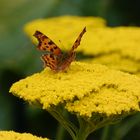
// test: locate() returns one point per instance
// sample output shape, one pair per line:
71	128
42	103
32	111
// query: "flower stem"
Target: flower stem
60	132
84	130
105	133
58	115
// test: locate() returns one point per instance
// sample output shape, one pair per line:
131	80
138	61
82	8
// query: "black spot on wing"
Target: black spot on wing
51	56
55	47
51	49
50	42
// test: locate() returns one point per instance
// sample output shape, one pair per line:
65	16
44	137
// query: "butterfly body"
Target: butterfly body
55	59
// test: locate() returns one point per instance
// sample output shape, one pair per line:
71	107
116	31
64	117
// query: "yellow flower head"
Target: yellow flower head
63	28
11	135
116	47
84	90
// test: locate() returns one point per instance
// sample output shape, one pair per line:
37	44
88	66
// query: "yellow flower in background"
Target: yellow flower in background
63	28
116	47
84	89
11	135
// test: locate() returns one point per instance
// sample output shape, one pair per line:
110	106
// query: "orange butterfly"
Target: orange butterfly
55	59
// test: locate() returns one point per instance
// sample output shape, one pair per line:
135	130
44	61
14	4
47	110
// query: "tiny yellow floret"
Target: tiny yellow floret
85	89
11	135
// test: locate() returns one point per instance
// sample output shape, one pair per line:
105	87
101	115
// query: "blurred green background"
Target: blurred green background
18	58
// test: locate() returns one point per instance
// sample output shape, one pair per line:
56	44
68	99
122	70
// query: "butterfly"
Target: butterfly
55	59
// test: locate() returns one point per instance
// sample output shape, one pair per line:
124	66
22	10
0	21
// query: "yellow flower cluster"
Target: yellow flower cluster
63	28
84	89
11	135
116	47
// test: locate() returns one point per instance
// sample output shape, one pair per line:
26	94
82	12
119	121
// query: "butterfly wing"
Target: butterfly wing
50	61
71	54
46	44
78	40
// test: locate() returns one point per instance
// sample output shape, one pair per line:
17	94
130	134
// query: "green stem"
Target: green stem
105	133
84	130
60	132
81	135
70	127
